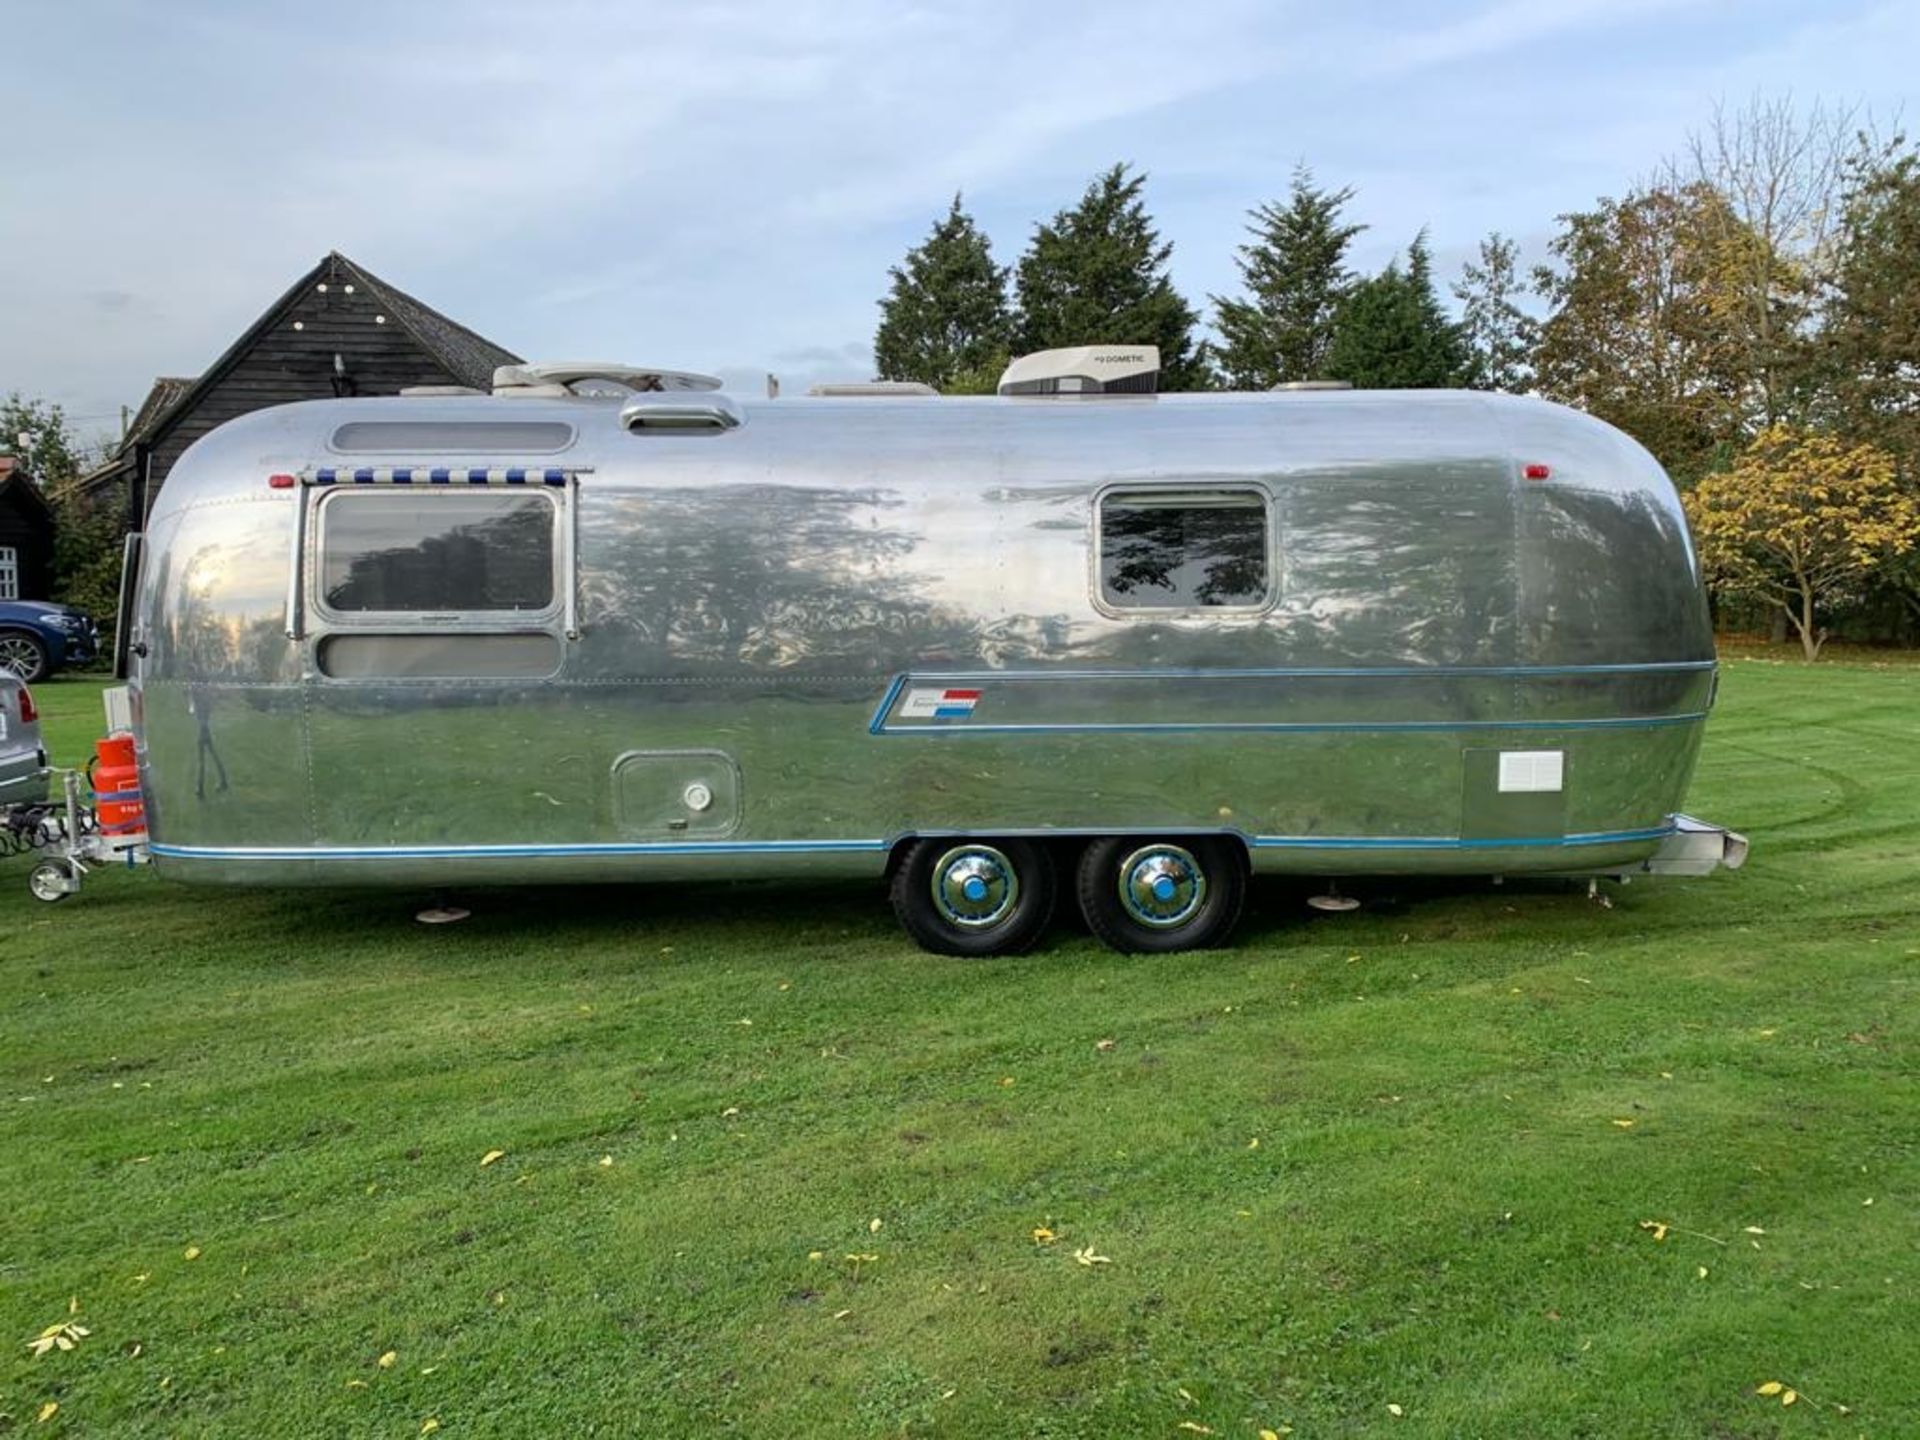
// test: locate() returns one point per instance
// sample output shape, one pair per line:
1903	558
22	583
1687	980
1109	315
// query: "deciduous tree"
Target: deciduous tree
1499	334
1641	330
1801	520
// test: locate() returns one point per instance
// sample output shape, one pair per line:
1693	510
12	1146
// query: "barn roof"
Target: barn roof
469	357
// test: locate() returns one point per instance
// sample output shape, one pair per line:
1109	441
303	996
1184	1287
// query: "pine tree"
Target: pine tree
1096	274
1296	276
945	315
1499	335
1391	333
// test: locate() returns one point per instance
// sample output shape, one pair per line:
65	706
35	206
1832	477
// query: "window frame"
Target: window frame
1125	488
9	572
402	621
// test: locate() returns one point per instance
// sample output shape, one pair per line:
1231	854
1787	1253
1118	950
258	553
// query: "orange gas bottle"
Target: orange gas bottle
117	805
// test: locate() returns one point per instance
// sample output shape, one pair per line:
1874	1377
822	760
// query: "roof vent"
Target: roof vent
680	414
894	388
595	379
1313	385
1085	370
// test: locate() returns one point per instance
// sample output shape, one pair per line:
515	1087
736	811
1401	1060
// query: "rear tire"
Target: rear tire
974	897
23	655
1152	897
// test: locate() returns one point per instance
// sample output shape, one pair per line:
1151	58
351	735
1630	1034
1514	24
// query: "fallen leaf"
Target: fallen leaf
1701	1272
1103	1045
1043	1236
1658	1227
729	1112
1394	1410
73	1305
841	1314
1195	1427
48	1411
873	1226
1624	1124
1086	1256
1787	1397
606	1162
1006	1079
386	1361
1182	1392
429	1425
1754	1230
1254	1143
491	1156
816	1255
1771	1387
192	1252
356	1384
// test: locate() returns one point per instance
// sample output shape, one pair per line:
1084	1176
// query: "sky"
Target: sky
721	185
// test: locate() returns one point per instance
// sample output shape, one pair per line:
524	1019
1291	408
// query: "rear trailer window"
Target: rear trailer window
1184	550
437	550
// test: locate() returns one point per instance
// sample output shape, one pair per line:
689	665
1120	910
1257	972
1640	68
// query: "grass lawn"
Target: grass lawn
1387	1173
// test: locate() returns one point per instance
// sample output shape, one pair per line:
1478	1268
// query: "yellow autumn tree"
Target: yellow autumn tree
1800	520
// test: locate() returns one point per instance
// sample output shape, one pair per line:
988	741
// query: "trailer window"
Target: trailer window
437	550
1184	549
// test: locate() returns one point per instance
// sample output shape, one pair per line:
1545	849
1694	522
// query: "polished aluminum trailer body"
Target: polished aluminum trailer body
743	660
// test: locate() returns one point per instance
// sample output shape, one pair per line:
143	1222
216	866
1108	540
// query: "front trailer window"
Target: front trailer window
436	550
1184	550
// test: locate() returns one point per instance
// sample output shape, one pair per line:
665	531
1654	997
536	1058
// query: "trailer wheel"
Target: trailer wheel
51	880
1155	896
974	897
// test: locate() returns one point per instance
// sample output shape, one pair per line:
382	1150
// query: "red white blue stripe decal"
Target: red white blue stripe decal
944	703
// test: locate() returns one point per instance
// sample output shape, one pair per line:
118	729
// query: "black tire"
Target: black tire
23	654
1202	887
974	897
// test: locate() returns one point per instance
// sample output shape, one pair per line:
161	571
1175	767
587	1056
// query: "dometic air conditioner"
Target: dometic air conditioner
1085	370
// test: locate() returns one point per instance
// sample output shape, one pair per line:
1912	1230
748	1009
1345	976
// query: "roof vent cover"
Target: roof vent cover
1085	370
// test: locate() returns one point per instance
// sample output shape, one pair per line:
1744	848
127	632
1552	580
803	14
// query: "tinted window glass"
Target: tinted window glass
1183	550
438	550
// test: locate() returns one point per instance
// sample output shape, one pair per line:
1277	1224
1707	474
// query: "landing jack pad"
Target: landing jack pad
442	915
1337	904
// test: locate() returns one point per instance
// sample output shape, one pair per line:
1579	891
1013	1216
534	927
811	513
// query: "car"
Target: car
23	755
38	638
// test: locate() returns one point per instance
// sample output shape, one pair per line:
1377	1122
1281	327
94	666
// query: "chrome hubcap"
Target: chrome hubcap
974	886
1162	885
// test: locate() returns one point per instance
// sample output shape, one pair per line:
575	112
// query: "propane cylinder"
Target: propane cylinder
117	805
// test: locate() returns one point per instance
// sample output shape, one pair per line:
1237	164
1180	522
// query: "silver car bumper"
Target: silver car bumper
23	778
1696	848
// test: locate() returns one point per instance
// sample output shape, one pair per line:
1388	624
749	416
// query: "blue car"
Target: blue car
38	637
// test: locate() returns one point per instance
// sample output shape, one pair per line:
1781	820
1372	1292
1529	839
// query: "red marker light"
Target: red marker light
1537	471
281	482
29	712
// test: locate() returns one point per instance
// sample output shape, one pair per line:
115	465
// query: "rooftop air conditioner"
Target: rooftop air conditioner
1085	370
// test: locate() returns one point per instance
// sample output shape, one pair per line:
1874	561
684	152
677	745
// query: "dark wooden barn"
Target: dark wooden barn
340	330
26	535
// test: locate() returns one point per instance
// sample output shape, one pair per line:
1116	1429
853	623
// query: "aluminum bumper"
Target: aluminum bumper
1696	848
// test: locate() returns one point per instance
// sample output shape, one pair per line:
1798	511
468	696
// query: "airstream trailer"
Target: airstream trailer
1079	638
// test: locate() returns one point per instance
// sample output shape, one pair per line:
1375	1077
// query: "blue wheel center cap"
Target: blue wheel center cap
1164	887
974	888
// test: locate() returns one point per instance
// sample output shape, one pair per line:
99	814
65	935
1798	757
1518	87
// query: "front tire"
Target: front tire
23	655
974	897
51	880
1144	896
